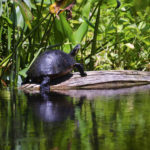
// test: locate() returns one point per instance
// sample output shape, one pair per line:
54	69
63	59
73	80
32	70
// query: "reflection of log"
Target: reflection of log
105	93
98	80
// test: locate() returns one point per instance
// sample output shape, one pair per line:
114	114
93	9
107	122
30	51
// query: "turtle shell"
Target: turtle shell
52	62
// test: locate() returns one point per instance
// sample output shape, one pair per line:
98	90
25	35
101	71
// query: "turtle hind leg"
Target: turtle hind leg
45	84
80	69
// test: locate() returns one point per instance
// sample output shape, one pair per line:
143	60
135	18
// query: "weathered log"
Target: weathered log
96	80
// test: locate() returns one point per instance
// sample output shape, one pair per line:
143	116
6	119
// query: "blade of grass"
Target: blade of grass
49	30
32	31
1	29
13	48
36	55
96	29
6	59
93	49
46	30
9	38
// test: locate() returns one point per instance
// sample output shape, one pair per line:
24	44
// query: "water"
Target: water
76	120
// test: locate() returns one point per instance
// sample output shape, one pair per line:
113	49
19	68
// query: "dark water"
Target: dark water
76	120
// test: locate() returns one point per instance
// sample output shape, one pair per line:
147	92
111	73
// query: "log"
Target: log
96	80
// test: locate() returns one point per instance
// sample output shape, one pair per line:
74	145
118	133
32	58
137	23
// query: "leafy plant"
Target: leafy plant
112	37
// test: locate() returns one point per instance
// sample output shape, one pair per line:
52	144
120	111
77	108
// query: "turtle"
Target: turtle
53	64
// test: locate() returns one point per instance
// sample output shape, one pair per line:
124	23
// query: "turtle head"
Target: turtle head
75	50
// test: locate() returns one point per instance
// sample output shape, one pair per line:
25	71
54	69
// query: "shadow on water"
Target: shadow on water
76	119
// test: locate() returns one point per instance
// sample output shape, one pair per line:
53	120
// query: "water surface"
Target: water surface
76	120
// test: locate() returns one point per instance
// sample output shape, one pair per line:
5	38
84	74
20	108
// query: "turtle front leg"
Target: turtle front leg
80	69
45	85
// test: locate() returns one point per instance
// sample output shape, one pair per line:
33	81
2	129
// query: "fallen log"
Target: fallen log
96	80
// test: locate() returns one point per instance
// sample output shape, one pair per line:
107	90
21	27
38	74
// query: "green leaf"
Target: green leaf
142	25
23	72
1	8
63	30
26	12
86	9
1	29
19	18
36	55
81	32
66	28
6	59
7	20
147	42
9	37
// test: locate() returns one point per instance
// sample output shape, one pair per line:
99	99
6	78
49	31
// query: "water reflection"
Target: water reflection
106	93
51	107
84	120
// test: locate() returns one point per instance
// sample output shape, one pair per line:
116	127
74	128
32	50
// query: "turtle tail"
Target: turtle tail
75	50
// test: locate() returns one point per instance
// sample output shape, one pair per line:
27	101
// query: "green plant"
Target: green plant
111	38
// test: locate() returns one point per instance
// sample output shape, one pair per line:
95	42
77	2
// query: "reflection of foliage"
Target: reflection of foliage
103	123
111	38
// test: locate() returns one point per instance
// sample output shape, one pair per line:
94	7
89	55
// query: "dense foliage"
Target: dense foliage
111	38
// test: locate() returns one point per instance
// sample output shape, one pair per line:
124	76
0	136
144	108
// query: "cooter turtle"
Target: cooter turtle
52	64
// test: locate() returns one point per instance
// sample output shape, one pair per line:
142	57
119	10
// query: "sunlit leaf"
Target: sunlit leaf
26	12
86	9
20	20
147	42
23	72
66	28
81	32
131	46
7	20
142	25
1	8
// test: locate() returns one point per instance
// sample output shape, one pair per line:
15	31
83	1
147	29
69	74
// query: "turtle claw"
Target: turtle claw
81	70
